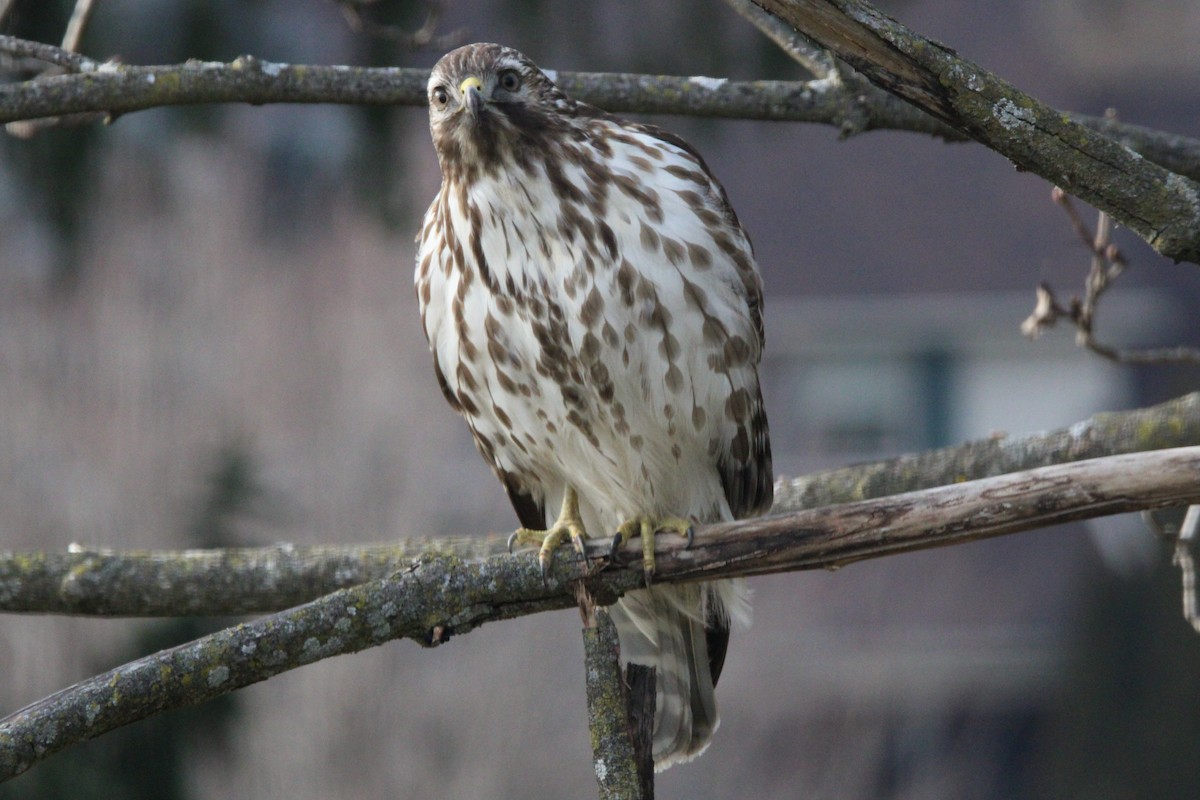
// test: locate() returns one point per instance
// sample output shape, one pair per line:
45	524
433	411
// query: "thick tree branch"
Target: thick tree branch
1175	423
266	579
614	754
428	602
1160	206
442	595
119	89
229	581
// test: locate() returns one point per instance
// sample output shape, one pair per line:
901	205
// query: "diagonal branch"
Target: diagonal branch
814	58
441	596
1160	206
266	579
77	24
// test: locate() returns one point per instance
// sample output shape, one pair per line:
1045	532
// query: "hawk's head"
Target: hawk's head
490	105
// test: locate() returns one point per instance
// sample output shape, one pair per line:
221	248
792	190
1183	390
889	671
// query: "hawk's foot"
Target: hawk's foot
567	526
647	528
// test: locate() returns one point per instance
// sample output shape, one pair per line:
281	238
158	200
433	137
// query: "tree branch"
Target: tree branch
1107	264
265	579
77	23
1175	423
614	753
117	89
814	58
47	54
429	601
442	595
1160	206
229	581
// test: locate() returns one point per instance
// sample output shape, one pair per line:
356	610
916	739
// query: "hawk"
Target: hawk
595	313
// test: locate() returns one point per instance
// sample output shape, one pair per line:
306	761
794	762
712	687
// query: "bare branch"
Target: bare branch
25	129
428	602
814	58
1175	423
258	580
61	59
1107	264
861	99
613	751
251	580
47	54
442	596
1179	154
119	89
77	23
1161	207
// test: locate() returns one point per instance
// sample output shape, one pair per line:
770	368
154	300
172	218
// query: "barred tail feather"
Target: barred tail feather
670	628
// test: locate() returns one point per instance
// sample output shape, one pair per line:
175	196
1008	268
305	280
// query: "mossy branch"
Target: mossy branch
1175	423
441	596
265	579
614	751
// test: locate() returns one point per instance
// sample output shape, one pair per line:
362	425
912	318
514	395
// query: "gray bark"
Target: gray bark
441	596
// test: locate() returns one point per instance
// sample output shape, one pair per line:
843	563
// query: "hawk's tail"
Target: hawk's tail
682	632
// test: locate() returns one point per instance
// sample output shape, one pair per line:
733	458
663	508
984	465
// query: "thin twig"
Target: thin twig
79	20
1107	263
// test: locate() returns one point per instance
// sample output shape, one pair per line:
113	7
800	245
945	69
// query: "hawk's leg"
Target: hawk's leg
647	528
567	526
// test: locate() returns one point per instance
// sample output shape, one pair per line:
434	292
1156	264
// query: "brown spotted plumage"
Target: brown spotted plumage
595	313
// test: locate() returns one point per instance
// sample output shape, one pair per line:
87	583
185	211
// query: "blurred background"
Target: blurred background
208	337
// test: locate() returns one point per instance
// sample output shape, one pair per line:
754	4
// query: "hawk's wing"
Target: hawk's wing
746	473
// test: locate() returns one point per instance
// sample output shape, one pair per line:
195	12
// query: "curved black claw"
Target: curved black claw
614	552
690	536
512	538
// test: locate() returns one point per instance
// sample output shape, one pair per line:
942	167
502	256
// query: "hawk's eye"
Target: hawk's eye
441	96
510	80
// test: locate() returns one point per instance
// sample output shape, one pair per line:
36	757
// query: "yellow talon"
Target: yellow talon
567	526
647	528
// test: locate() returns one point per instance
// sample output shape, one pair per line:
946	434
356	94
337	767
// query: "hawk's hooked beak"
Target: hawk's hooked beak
472	92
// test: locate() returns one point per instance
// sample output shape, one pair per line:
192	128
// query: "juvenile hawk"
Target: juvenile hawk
594	312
